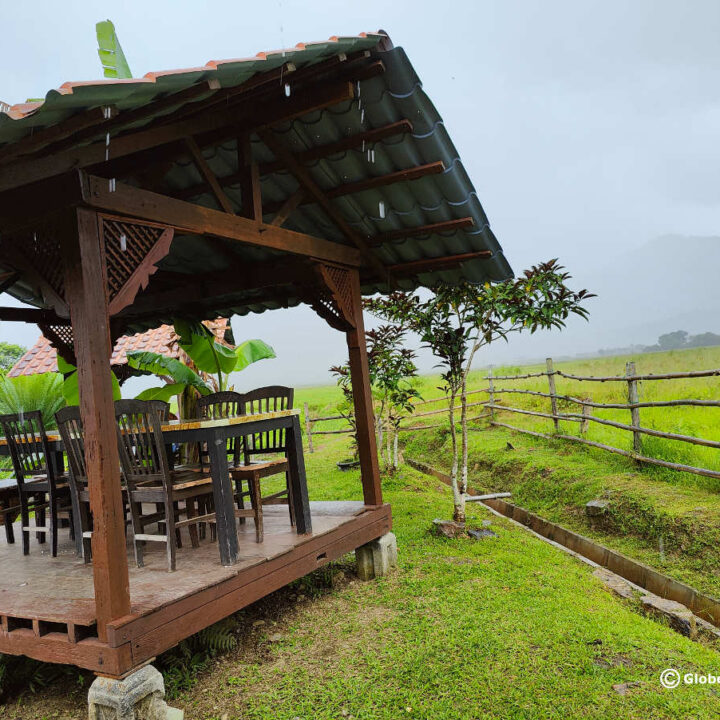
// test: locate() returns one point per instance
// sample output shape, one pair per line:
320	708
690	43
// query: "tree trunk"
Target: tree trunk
379	423
396	462
464	441
388	441
458	497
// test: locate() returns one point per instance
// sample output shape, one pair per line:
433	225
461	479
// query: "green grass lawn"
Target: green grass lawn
508	627
703	422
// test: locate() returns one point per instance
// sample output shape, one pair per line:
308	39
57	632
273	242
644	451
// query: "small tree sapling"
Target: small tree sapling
456	321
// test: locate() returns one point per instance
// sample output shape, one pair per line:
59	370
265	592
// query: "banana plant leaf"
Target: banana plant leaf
110	53
251	351
70	386
210	356
164	393
164	366
199	343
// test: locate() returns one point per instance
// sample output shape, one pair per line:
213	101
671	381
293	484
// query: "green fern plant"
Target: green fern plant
182	665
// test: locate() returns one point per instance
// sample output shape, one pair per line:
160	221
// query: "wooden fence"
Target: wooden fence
585	415
310	432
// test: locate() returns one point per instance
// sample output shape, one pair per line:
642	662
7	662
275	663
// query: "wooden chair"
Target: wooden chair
224	404
270	442
71	431
9	506
150	480
39	486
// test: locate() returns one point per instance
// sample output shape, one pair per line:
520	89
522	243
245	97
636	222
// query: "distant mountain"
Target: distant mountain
670	283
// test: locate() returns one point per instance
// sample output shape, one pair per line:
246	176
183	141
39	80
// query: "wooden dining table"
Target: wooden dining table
214	433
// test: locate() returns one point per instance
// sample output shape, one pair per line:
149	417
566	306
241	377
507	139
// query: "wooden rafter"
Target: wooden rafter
310	186
118	122
186	217
225	119
288	207
431	229
209	175
401	127
438	263
413	173
55	133
317	153
124	165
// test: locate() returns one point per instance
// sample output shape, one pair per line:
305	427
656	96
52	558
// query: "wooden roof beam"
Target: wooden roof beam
209	175
407	175
313	190
191	95
187	218
435	264
432	229
288	208
221	135
31	315
175	292
401	127
351	73
43	137
225	120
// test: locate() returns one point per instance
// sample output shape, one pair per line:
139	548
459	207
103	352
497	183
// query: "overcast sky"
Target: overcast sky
589	128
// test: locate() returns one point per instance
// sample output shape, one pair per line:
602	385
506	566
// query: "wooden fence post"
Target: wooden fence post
634	397
585	422
308	427
491	394
553	396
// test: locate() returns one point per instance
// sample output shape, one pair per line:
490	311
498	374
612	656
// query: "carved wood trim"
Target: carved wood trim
62	339
132	251
34	252
331	296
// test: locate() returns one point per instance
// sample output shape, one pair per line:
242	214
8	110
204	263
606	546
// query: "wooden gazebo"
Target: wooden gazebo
312	175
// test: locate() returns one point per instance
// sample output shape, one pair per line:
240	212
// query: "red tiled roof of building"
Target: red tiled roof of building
42	357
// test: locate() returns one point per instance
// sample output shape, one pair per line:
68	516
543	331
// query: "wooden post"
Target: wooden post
553	396
634	397
308	427
585	422
362	399
86	293
491	394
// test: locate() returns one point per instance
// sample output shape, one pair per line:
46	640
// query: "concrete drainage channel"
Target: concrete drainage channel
687	610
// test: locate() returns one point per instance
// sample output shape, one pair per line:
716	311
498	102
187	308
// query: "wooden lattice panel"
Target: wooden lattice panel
62	339
131	251
35	253
331	297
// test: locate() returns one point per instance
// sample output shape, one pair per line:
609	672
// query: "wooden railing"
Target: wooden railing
310	421
586	405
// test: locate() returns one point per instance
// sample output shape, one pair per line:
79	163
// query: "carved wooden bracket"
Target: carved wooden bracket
331	296
35	253
132	251
62	339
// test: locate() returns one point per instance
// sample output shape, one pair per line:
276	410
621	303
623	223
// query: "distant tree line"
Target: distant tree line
676	340
680	340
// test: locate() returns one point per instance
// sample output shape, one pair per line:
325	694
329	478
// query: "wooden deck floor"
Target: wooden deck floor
47	605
